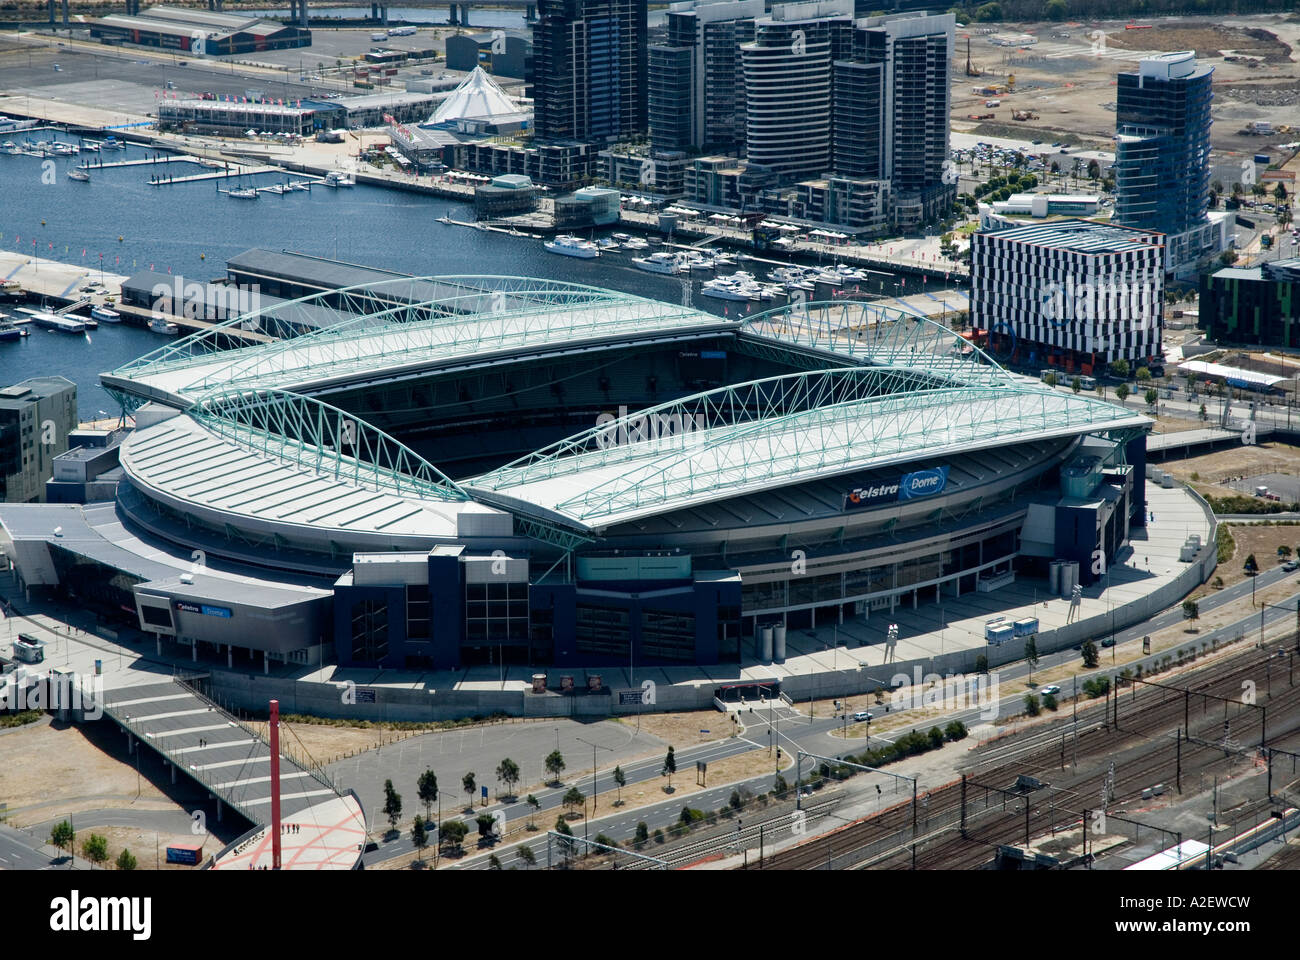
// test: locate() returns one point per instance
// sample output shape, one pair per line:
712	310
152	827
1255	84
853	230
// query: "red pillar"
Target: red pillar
275	785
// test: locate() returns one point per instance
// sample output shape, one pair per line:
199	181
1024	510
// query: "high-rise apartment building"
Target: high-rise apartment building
697	78
589	70
1162	155
36	417
788	90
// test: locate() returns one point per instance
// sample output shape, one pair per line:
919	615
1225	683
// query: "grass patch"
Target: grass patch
20	719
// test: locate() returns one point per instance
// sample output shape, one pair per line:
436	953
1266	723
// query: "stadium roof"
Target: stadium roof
885	388
1084	236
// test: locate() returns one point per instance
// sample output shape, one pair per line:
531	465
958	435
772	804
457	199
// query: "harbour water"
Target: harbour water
122	222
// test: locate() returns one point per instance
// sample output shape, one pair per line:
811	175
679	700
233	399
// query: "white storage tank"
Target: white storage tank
765	650
778	642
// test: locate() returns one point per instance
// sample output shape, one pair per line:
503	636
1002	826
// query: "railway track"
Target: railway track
1147	747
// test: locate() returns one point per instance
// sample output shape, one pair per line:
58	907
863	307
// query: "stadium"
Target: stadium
438	473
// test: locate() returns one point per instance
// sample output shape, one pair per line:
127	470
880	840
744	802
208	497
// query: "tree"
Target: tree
1151	397
1251	566
1144	373
508	773
1031	704
620	781
1050	379
1119	368
555	764
485	822
533	806
95	849
1091	657
670	767
1191	610
1049	701
1031	655
427	790
573	798
525	853
419	837
452	833
1203	414
494	862
981	663
126	860
467	785
1121	392
392	804
62	835
562	826
642	833
1076	384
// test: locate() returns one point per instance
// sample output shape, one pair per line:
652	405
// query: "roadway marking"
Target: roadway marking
286	796
133	703
174	733
168	716
214	746
249	780
233	763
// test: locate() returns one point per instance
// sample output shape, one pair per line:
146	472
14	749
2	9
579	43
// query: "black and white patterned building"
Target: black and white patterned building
1072	293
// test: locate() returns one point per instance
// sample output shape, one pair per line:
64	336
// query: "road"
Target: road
813	736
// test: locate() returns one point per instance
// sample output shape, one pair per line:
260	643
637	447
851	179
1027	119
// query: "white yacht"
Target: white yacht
658	263
336	178
573	247
105	314
159	325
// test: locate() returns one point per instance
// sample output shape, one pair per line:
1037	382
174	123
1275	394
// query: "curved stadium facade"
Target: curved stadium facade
440	472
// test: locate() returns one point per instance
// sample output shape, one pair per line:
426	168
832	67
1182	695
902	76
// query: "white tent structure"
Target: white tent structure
478	97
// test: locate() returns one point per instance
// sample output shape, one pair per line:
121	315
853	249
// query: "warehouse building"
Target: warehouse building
198	32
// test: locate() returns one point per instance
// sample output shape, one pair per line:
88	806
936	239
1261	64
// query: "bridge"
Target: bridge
231	761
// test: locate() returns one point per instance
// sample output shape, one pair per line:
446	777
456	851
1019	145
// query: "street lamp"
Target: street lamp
594	747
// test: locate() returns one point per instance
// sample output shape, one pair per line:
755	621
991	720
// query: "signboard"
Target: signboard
629	697
185	854
365	695
187	607
910	486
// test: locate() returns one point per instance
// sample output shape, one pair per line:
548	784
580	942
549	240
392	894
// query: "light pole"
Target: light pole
594	747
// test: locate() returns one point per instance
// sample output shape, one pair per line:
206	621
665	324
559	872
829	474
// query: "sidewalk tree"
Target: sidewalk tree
95	849
62	836
1191	610
126	860
485	822
642	833
427	790
452	833
620	781
1031	655
467	784
525	853
1151	397
419	837
1076	384
1121	392
670	767
1250	566
555	764
494	862
392	804
533	806
508	773
1091	657
573	798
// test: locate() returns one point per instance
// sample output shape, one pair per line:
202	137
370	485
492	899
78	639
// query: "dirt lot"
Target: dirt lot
1205	471
326	743
684	729
1262	541
1075	94
147	846
49	771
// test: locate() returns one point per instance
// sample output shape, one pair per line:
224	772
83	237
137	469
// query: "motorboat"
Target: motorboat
105	314
336	178
658	263
573	247
78	174
634	243
159	325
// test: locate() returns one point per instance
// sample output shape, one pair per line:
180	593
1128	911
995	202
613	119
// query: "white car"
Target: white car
1050	690
861	715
